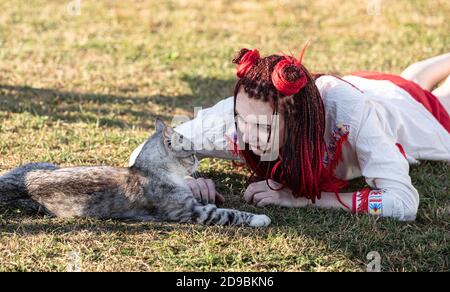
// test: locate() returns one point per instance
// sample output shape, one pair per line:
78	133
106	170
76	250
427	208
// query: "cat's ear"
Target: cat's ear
167	137
168	132
159	125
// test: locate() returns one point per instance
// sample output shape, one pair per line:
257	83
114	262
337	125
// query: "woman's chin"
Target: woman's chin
257	151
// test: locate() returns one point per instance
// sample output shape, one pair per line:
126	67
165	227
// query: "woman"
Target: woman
306	135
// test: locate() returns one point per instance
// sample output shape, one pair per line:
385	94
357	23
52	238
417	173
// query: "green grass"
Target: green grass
84	90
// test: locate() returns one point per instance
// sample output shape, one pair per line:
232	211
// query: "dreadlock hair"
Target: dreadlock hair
291	91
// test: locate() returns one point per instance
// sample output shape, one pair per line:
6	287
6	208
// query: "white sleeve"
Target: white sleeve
210	131
386	169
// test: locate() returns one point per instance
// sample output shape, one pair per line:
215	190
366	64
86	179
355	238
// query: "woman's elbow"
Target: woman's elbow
402	208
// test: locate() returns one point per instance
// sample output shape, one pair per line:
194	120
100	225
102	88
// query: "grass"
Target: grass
84	90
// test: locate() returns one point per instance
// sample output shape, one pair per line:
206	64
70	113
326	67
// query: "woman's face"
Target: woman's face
255	121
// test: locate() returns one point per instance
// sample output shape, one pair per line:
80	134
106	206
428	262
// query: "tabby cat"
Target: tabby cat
152	189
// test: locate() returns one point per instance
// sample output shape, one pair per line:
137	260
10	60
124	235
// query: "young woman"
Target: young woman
306	135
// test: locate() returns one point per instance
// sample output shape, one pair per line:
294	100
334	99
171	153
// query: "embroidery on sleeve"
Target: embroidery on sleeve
375	206
337	136
361	200
368	201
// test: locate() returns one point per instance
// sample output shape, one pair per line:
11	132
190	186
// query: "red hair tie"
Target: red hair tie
246	62
280	78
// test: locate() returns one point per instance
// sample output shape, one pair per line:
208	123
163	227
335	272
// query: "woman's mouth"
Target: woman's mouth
257	149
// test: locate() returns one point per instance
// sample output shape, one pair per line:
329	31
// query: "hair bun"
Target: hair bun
288	77
238	57
245	59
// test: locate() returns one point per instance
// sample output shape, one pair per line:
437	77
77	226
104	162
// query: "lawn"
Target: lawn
83	87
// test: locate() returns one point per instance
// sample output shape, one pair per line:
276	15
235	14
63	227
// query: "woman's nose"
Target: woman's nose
248	137
245	137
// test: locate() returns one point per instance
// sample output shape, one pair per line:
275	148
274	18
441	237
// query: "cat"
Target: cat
152	189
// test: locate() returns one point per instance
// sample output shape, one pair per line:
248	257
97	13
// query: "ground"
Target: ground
83	87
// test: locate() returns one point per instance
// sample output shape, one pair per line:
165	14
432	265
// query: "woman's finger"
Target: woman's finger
274	185
253	189
262	196
192	184
203	190
211	190
267	201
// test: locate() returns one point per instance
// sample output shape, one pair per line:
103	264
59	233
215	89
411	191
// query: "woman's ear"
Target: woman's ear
159	125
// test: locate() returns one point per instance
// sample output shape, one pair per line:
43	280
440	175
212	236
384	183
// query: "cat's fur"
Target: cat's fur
153	189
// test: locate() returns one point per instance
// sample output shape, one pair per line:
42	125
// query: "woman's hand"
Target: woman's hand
260	195
204	190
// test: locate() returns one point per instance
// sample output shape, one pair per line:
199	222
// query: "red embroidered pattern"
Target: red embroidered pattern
368	201
375	204
361	200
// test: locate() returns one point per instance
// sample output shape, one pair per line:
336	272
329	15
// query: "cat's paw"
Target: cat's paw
260	221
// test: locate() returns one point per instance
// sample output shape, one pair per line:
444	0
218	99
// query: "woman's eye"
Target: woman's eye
265	128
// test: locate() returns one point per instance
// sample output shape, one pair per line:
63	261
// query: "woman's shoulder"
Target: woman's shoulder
344	104
337	90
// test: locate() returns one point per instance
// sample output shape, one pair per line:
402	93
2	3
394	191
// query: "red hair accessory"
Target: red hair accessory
282	81
247	61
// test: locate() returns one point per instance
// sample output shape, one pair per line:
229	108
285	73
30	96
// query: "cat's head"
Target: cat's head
167	150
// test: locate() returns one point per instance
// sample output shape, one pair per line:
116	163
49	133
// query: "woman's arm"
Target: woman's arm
210	131
260	194
331	201
375	202
386	171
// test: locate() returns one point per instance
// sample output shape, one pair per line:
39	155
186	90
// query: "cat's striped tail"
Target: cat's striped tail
12	185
